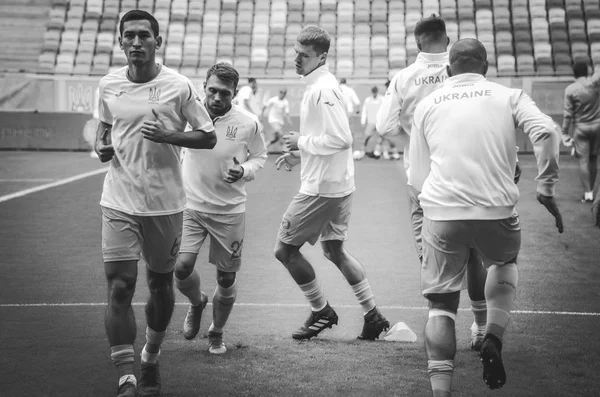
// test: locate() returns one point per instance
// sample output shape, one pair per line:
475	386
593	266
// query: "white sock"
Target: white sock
152	338
314	295
364	294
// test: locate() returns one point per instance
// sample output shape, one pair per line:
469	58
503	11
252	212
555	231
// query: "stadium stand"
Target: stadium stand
372	39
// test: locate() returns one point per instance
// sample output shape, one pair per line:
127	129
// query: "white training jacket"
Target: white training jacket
325	142
407	88
463	149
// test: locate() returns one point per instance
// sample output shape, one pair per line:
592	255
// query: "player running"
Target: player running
144	108
215	186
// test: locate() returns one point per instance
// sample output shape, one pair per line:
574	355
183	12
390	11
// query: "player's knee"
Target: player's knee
121	289
284	252
333	250
225	279
160	283
184	265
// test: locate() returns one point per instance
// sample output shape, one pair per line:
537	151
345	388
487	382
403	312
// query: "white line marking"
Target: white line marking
28	180
60	182
288	305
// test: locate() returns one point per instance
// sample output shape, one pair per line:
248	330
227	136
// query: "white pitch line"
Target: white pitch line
28	180
59	182
288	305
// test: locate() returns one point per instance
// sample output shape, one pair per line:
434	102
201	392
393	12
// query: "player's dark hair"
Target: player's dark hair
316	37
251	80
374	89
139	15
580	69
432	27
225	72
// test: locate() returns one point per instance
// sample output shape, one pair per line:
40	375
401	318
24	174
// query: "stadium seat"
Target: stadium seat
379	67
483	4
344	67
329	5
362	13
506	65
64	63
593	30
329	22
229	5
296	5
179	10
379	46
577	30
379	11
195	11
345	12
213	5
228	22
57	18
46	62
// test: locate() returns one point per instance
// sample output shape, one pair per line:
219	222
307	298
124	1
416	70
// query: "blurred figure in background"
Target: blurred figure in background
277	112
581	125
249	98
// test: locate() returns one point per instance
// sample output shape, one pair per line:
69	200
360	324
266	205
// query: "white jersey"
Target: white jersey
370	108
350	98
278	109
239	135
144	177
463	165
253	100
325	141
407	88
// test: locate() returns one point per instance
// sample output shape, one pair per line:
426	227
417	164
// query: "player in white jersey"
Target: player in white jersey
143	111
277	110
248	97
215	186
406	90
463	168
322	207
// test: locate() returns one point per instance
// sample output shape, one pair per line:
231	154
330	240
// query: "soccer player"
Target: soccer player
277	110
215	186
464	167
247	97
322	207
407	88
582	122
373	142
144	108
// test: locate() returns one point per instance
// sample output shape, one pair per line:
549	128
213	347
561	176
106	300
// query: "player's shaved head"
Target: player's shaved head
468	56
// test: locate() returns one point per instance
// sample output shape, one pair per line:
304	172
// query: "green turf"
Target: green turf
51	253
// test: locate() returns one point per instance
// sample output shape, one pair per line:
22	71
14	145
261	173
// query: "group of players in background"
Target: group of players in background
461	172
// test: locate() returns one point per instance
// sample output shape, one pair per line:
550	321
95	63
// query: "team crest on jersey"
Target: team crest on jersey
231	132
154	96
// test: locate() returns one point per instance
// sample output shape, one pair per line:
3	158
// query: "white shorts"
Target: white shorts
156	238
226	233
447	246
309	217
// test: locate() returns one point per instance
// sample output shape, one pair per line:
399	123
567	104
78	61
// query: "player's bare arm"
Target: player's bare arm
155	131
103	146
